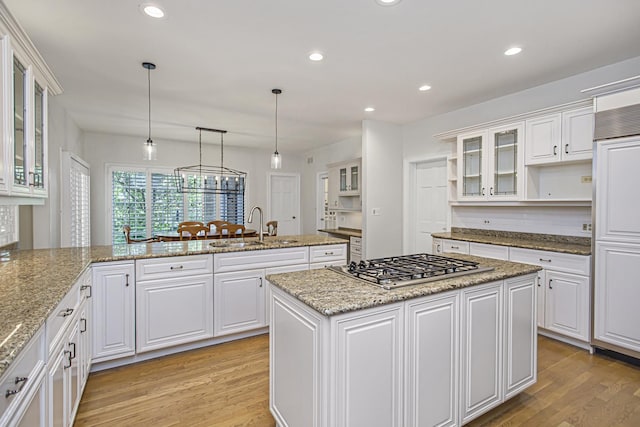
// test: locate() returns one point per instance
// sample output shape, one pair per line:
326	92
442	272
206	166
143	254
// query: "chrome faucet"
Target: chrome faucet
250	219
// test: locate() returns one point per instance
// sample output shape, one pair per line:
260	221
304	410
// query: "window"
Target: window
136	192
75	215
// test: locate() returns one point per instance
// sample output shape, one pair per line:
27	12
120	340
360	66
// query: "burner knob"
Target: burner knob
353	266
362	264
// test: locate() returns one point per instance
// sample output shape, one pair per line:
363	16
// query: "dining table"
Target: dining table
172	236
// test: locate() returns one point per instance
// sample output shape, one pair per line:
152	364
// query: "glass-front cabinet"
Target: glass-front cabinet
19	118
350	179
491	164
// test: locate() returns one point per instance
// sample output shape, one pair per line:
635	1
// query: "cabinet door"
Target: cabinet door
520	334
472	166
73	371
616	294
20	126
567	304
577	134
432	362
541	293
369	389
543	139
505	162
188	301
239	301
354	177
113	311
38	156
57	383
481	352
34	414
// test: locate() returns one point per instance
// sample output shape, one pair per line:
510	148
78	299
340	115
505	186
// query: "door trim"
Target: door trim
268	213
408	218
319	207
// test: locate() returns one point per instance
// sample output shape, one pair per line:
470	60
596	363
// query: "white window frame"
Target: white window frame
66	160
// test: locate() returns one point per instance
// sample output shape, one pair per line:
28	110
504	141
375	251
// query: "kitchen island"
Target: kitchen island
347	353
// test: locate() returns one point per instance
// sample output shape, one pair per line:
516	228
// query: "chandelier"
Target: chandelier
204	179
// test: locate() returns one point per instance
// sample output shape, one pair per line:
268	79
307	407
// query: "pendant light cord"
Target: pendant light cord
276	123
149	86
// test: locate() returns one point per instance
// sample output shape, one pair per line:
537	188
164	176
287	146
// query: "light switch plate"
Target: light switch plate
376	211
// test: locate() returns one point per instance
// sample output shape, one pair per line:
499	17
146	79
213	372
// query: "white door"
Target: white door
322	201
284	202
429	203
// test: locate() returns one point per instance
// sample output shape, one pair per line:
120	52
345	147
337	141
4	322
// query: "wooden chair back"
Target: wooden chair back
191	232
127	235
272	228
183	223
217	224
231	230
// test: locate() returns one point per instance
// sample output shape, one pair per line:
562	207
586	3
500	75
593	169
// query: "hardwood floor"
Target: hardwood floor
228	385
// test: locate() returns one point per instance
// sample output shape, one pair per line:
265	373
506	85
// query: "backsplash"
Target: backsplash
8	225
560	220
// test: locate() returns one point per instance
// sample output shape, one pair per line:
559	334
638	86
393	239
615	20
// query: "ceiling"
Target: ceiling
217	61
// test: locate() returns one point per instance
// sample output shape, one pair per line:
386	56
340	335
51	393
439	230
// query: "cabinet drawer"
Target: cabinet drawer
328	253
61	316
27	365
355	241
455	246
160	268
489	251
234	261
570	263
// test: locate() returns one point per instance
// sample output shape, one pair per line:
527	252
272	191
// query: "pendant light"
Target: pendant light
276	159
150	152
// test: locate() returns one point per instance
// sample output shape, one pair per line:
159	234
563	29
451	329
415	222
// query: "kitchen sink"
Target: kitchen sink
282	241
235	244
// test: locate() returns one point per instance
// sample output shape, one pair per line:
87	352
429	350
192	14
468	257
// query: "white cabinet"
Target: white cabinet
432	361
563	136
489	251
455	246
345	185
481	350
436	246
491	164
113	310
355	249
239	301
369	389
616	295
23	111
327	255
176	288
520	335
563	291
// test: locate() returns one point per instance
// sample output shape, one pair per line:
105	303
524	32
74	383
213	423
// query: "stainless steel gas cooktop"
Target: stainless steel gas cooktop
407	270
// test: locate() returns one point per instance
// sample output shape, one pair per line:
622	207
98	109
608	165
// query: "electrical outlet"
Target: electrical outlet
585	179
586	227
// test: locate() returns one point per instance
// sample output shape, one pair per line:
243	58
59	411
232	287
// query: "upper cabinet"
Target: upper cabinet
490	164
564	136
26	84
345	180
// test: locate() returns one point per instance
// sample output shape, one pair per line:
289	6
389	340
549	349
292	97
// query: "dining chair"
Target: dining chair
272	228
217	223
183	223
127	235
231	230
192	232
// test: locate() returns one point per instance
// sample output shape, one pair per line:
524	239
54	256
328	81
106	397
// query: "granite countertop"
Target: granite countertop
543	242
343	231
33	282
330	293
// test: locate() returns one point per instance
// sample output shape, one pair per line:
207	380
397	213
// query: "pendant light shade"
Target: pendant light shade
150	152
276	159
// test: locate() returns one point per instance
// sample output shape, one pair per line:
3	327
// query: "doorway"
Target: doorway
428	203
284	202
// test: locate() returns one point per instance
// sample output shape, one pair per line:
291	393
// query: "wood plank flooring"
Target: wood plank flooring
228	385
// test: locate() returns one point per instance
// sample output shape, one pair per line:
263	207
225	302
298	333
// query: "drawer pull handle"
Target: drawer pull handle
19	380
328	253
566	149
538	281
69	359
545	260
261	282
73	354
550	280
83	287
555	150
127	277
491	191
66	312
177	267
84	325
455	247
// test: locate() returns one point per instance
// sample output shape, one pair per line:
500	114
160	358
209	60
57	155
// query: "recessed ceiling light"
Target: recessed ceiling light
387	2
424	88
513	51
369	109
316	56
153	10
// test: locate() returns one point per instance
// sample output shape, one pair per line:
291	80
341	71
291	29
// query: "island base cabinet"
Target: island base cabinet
481	350
33	414
239	299
173	311
432	360
369	367
520	341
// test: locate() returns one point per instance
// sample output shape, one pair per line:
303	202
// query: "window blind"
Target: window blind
167	205
80	228
129	204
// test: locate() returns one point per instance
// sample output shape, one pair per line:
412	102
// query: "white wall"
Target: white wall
316	161
419	143
381	189
65	135
102	149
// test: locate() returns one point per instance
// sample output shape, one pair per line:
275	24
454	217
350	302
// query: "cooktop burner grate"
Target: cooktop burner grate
394	272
